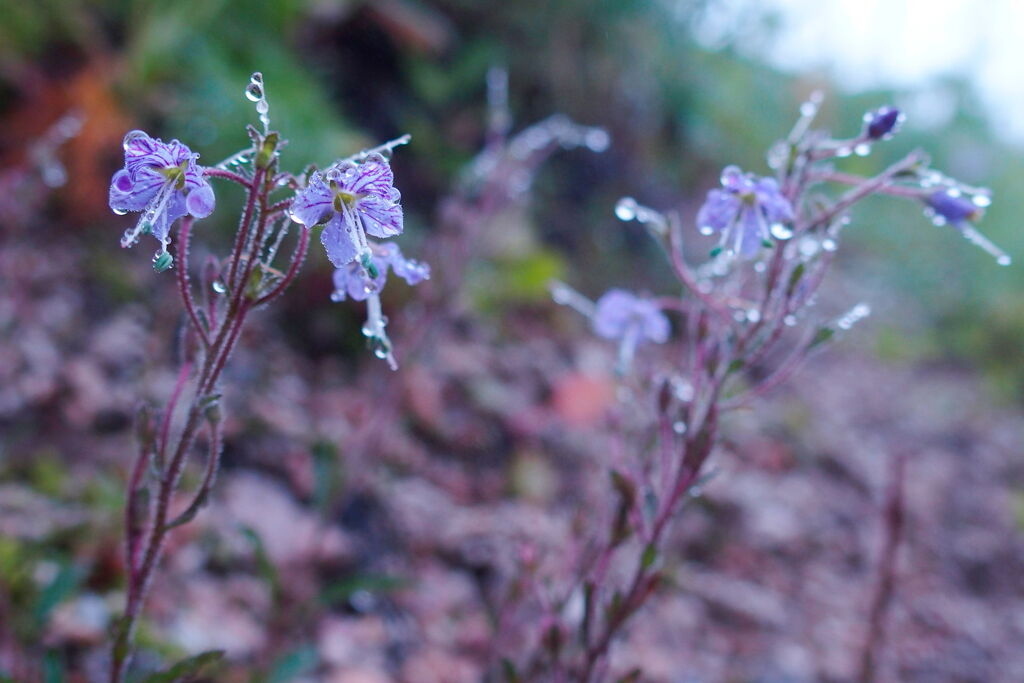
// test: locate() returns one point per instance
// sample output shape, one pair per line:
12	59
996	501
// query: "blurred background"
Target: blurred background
683	87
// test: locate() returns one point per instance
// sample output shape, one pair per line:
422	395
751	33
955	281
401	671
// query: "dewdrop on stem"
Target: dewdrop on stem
256	92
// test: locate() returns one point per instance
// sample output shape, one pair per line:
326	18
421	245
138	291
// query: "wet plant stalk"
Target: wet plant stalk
216	346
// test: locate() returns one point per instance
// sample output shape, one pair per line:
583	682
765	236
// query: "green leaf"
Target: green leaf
735	365
794	278
266	568
342	590
508	669
292	665
63	586
328	475
649	556
190	666
821	336
53	668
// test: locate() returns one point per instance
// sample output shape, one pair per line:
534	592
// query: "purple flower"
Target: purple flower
164	182
951	206
351	200
621	315
748	211
358	280
882	123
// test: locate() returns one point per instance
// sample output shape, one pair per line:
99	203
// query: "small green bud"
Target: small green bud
163	261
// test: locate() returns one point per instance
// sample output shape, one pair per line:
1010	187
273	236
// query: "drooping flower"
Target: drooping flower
164	182
620	314
351	200
748	211
630	320
882	123
358	281
953	207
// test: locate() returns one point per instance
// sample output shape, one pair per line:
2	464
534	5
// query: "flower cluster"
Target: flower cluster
352	200
164	182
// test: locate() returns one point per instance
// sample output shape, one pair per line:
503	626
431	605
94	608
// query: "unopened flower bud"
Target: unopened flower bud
163	261
882	123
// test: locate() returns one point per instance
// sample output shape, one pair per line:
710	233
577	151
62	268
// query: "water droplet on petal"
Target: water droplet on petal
625	209
337	296
781	232
219	287
119	212
131	136
705	230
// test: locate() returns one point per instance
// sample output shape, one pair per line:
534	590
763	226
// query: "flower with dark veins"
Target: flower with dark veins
164	182
631	320
748	212
355	281
351	201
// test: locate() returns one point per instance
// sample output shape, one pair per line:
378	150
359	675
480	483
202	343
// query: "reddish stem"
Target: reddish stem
297	258
184	287
894	523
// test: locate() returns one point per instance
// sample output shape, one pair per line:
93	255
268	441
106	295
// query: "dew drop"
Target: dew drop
337	296
367	330
781	232
1004	260
625	209
808	109
262	107
760	267
982	200
597	140
705	229
789	320
119	212
753	315
829	244
254	91
843	152
131	136
679	427
862	150
219	287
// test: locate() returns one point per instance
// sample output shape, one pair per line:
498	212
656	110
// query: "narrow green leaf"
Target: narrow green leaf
191	666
